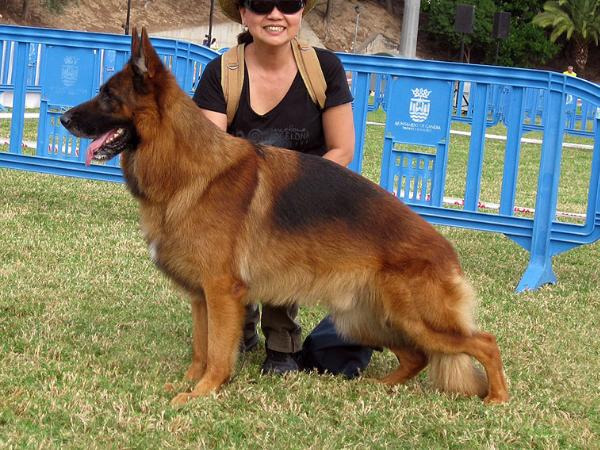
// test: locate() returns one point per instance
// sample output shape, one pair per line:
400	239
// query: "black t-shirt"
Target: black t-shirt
294	123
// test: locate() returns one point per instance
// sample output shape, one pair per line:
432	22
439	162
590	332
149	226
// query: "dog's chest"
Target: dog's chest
156	251
151	228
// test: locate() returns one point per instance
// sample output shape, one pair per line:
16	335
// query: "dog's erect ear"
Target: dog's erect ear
153	62
137	57
135	42
145	61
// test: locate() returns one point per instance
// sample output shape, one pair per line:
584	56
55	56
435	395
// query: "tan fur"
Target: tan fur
211	212
457	374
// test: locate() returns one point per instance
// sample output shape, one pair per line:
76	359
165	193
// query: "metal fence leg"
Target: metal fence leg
539	271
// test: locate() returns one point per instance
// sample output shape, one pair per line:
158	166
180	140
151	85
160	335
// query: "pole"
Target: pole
128	15
357	9
410	28
462	47
210	21
497	52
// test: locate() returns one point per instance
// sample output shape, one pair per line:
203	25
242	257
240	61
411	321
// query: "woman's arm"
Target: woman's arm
219	119
338	128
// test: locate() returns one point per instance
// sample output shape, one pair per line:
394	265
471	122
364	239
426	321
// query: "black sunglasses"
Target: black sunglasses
266	6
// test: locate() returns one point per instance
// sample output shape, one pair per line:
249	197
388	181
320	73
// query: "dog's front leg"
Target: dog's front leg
225	315
199	338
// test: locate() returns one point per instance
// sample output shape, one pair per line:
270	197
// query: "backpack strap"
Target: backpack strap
311	72
232	78
232	75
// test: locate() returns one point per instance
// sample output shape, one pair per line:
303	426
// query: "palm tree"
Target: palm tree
578	20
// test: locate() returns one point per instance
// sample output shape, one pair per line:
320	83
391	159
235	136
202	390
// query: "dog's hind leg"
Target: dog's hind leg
458	370
435	313
412	361
225	315
199	338
363	324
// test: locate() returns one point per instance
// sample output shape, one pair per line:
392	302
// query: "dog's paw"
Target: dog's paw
496	399
181	399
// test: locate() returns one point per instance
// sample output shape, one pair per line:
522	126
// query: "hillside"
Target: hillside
158	15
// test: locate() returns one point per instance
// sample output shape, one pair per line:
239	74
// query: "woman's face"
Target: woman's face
274	28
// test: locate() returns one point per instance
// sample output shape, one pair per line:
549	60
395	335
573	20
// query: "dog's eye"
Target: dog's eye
108	101
110	97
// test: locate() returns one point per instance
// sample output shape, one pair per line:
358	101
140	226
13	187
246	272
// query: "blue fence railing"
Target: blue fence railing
580	114
67	68
425	102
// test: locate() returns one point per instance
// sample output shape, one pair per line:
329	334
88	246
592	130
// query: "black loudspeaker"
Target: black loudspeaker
463	21
501	25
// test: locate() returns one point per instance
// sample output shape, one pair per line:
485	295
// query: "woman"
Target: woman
275	108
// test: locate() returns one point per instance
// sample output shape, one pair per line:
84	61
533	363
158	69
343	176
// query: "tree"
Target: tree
526	45
328	15
390	8
52	5
25	9
578	20
328	9
55	5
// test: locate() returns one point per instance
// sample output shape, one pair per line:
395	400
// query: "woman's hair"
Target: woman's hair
244	37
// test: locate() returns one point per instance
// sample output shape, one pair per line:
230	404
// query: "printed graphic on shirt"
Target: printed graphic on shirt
288	137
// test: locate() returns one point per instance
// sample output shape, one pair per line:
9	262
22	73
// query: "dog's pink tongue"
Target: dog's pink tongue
95	145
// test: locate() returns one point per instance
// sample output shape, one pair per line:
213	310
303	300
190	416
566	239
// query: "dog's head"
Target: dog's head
110	118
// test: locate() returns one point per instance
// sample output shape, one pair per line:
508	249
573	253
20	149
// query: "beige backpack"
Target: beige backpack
232	75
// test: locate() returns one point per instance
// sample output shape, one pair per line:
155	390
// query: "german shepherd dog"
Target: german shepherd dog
233	222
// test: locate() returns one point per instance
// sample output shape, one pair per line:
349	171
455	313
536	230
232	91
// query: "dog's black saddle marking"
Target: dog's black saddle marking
323	192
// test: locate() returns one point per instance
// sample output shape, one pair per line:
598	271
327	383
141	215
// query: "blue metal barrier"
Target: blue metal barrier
67	68
581	114
422	101
415	119
8	59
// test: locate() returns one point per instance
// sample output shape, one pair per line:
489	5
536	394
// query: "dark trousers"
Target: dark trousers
278	324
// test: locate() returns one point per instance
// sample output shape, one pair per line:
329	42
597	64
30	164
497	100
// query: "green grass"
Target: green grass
30	127
91	333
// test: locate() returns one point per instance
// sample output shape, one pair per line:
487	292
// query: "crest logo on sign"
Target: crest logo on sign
420	105
69	71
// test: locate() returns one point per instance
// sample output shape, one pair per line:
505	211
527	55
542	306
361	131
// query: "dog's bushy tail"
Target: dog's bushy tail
457	374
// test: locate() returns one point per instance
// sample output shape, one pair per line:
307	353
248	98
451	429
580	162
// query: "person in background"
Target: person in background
570	72
275	108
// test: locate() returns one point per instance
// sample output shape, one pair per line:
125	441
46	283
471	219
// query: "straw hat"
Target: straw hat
231	8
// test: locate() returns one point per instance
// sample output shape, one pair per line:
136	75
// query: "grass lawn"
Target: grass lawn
91	336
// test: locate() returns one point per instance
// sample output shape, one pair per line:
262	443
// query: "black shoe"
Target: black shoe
249	346
278	363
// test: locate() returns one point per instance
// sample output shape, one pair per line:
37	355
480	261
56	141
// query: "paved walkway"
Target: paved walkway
28	144
6	115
